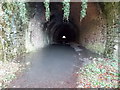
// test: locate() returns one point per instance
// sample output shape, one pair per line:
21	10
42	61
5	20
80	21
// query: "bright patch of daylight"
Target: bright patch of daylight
64	37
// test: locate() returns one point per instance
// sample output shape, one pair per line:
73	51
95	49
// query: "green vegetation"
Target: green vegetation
13	25
111	12
100	73
96	47
84	7
7	72
47	8
66	9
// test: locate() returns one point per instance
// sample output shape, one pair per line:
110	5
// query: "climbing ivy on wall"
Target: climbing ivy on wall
112	14
13	25
47	9
66	9
83	11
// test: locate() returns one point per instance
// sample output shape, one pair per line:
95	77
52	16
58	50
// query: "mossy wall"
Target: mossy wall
13	23
21	28
111	12
36	36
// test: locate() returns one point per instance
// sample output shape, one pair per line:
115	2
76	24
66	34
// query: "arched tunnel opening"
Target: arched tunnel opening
86	33
65	33
89	33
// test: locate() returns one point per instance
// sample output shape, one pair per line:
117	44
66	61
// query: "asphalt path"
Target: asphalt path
54	66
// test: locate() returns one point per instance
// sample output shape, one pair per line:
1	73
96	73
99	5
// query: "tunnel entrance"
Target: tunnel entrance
64	33
89	33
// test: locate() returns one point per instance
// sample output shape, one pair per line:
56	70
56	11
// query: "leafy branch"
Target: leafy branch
83	11
47	7
66	9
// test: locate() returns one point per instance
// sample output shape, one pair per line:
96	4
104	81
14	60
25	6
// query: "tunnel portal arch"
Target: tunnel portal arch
65	29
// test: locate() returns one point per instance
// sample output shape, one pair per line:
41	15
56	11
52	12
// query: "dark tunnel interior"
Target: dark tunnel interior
90	32
58	30
64	33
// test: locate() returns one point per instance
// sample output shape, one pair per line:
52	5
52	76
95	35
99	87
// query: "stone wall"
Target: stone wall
92	29
36	36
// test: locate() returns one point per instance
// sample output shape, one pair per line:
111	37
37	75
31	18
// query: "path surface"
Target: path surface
51	67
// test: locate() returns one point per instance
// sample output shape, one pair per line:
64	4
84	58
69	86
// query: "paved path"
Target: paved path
53	67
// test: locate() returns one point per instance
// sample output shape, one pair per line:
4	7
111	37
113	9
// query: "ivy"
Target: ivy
83	11
47	8
110	11
66	9
13	21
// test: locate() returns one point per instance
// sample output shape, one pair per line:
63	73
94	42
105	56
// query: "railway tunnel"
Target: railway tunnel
90	32
52	43
27	21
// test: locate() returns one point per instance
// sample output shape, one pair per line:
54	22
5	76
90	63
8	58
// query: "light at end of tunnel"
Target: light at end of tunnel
64	37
